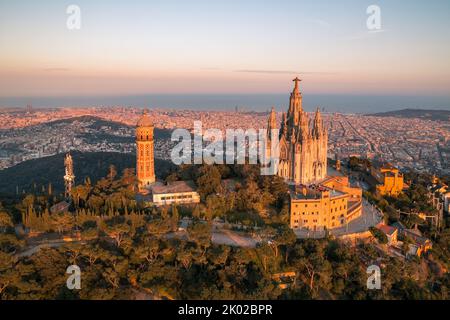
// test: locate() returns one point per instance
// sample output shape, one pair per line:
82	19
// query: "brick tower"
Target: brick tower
145	167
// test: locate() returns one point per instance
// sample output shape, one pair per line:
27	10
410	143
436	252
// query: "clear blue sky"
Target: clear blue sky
135	47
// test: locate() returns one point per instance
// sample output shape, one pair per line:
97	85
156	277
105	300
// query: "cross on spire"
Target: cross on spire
296	80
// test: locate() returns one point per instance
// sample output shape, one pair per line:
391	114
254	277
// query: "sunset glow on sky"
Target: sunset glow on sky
137	47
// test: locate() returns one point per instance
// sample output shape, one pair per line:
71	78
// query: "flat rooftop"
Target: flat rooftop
173	187
312	192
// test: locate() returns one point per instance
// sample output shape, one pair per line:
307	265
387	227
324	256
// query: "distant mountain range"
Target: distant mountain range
33	174
443	115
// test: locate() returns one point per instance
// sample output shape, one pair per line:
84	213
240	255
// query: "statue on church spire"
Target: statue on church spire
296	80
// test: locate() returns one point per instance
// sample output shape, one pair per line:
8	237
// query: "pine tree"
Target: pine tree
50	189
164	212
196	212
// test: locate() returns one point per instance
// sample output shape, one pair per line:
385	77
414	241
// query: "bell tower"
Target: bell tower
145	167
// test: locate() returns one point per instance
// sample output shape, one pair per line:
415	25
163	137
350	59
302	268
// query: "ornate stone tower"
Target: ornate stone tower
69	177
271	125
271	122
303	143
145	167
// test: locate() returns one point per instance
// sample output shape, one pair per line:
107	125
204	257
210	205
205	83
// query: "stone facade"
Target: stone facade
329	205
145	167
392	181
303	142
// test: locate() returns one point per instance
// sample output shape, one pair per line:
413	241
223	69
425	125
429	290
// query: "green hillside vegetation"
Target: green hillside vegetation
443	115
98	123
126	249
34	175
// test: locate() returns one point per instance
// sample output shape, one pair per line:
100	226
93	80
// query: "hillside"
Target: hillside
94	165
443	115
98	123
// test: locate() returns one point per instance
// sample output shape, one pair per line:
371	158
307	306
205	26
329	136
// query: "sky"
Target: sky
194	47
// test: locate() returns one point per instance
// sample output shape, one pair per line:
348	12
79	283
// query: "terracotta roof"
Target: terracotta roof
386	229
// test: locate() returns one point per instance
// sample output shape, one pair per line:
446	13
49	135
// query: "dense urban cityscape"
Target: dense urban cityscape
34	133
224	159
356	202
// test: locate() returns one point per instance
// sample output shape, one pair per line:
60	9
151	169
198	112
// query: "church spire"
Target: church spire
303	126
318	124
284	125
271	122
273	118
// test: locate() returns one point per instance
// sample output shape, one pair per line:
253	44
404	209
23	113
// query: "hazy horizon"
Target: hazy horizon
169	47
248	102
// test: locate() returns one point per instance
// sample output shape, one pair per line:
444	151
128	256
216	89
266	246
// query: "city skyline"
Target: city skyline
232	153
218	48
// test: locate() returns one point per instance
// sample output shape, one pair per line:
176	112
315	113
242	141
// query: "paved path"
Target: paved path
231	238
370	217
32	250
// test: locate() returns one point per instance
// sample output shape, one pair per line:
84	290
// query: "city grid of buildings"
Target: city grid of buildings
423	145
